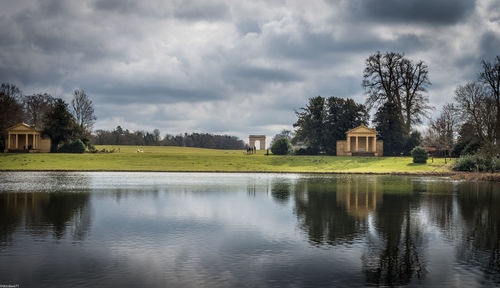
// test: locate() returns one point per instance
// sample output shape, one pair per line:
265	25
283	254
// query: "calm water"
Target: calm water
187	229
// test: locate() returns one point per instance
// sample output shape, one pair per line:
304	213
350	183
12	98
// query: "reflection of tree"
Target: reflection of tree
321	217
280	190
40	212
479	204
394	254
439	202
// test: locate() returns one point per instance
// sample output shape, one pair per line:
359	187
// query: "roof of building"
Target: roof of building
361	127
24	127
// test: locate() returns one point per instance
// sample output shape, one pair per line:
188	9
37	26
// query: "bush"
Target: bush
76	146
419	155
306	151
281	146
477	163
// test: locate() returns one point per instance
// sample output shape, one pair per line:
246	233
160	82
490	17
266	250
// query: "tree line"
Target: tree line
64	123
471	124
119	136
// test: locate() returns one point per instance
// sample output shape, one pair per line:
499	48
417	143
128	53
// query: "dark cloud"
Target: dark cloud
413	11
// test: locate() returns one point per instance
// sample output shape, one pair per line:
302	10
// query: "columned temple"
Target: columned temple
23	137
360	141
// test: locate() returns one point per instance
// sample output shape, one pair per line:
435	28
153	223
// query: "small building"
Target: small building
360	141
26	138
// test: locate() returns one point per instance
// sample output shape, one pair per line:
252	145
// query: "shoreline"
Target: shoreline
492	177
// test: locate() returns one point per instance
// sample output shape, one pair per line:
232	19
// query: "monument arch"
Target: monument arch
261	138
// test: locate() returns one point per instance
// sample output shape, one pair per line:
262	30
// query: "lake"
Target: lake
259	230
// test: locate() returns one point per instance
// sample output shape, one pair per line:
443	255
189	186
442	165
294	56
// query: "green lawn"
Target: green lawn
156	158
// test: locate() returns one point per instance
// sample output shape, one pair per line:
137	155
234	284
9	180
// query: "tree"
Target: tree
83	110
491	77
413	141
288	134
11	90
36	106
390	129
443	130
11	113
342	115
282	146
477	108
156	136
309	125
59	124
391	77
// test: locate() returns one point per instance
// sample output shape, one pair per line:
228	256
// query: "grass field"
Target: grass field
163	158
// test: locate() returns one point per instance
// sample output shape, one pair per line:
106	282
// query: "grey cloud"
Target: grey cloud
490	43
261	59
412	11
263	74
186	10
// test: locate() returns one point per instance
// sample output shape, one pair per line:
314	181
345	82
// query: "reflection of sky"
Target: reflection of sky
153	229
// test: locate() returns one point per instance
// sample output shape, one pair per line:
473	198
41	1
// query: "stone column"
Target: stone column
26	141
8	143
374	144
263	144
357	146
17	141
34	141
348	143
366	144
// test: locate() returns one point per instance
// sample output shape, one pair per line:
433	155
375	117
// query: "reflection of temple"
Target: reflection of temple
359	198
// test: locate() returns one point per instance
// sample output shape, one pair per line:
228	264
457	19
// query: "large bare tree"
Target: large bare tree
491	77
478	108
83	110
36	106
391	77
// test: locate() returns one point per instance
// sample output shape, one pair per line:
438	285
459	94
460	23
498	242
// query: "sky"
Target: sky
232	67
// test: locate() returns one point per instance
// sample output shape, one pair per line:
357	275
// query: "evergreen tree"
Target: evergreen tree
390	129
310	125
342	115
59	124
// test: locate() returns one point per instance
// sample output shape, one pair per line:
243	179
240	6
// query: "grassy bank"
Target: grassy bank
196	159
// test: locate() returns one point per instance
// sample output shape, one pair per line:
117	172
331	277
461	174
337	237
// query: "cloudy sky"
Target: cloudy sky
233	67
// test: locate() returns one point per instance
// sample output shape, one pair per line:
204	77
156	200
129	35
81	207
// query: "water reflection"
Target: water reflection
324	211
40	213
480	237
247	229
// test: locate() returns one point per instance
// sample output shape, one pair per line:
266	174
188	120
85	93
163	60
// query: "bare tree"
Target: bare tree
83	110
414	103
478	108
11	90
391	77
491	77
36	106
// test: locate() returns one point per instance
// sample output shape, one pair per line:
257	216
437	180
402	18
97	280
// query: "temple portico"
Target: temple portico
360	141
23	137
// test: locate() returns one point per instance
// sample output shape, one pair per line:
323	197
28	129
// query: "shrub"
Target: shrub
76	146
419	155
281	146
477	163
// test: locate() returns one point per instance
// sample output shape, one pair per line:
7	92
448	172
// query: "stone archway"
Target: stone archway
260	138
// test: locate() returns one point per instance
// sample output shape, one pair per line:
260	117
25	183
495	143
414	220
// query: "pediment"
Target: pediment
362	130
22	127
